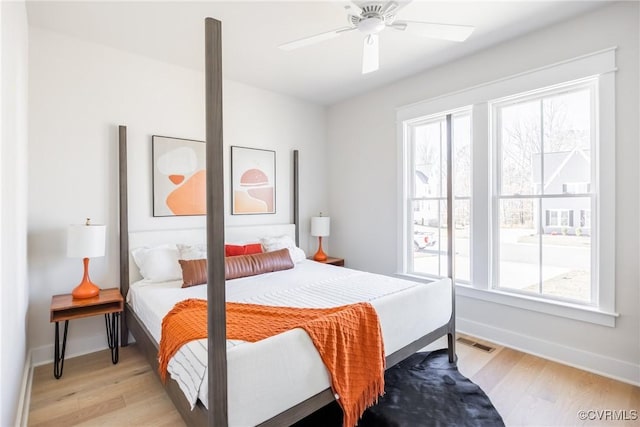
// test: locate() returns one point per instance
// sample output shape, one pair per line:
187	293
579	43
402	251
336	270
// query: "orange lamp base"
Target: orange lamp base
86	288
320	255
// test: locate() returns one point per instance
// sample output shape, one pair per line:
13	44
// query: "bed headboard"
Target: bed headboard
233	234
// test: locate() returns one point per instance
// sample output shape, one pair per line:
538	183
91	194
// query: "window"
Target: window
585	218
559	217
427	220
533	162
544	144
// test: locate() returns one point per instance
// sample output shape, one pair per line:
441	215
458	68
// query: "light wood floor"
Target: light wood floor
526	390
94	392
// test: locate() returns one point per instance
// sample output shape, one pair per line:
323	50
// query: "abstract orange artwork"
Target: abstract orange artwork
253	181
179	177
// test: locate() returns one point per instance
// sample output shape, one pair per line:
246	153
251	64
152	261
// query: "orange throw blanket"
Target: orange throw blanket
348	339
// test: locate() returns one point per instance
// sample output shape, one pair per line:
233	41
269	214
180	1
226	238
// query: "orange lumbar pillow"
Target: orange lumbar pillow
194	272
252	265
236	250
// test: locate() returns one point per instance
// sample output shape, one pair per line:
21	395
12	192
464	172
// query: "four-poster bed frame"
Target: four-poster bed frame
217	353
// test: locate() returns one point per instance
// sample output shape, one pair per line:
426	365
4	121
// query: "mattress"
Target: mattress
272	375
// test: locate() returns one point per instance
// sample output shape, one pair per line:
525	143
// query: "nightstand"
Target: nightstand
64	307
330	260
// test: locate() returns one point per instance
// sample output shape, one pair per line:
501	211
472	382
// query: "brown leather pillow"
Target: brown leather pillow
194	272
252	265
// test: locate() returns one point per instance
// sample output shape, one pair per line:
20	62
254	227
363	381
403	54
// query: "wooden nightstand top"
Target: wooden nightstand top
331	260
65	307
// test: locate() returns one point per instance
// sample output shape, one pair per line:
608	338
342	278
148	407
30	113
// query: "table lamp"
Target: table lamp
320	226
86	241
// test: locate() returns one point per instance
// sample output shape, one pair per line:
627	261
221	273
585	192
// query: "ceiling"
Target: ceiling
324	73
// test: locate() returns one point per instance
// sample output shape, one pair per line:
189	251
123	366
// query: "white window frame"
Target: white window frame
409	186
411	165
600	65
590	84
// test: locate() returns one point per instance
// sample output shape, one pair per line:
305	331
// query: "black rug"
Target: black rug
423	390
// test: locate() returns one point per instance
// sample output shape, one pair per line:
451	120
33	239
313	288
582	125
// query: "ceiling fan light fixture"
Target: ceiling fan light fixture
370	26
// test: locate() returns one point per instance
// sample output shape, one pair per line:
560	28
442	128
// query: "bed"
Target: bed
270	376
232	369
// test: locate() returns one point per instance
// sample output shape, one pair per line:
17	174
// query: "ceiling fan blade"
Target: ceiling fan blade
390	6
456	33
394	6
370	54
314	39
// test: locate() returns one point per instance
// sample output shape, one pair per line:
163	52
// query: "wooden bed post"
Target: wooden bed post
451	339
124	228
216	318
296	195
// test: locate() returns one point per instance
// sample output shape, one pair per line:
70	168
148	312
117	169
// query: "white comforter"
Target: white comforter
267	377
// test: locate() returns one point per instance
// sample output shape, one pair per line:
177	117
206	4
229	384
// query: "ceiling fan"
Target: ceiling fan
371	18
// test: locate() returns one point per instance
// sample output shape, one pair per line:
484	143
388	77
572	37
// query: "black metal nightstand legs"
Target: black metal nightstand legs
111	323
58	357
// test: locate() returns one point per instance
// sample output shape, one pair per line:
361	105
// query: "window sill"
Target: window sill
555	308
417	278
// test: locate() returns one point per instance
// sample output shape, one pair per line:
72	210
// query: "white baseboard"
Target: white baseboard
22	413
78	347
598	364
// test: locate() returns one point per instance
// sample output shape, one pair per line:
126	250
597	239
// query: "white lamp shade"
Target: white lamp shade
320	226
86	241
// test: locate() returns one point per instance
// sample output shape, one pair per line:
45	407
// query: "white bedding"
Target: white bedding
269	376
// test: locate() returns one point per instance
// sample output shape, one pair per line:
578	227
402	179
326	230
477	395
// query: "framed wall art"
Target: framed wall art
253	181
179	176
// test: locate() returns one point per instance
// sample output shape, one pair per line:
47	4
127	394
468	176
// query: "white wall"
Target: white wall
13	199
79	93
363	185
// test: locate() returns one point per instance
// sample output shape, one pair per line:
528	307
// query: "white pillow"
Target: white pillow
158	263
270	244
189	252
297	254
